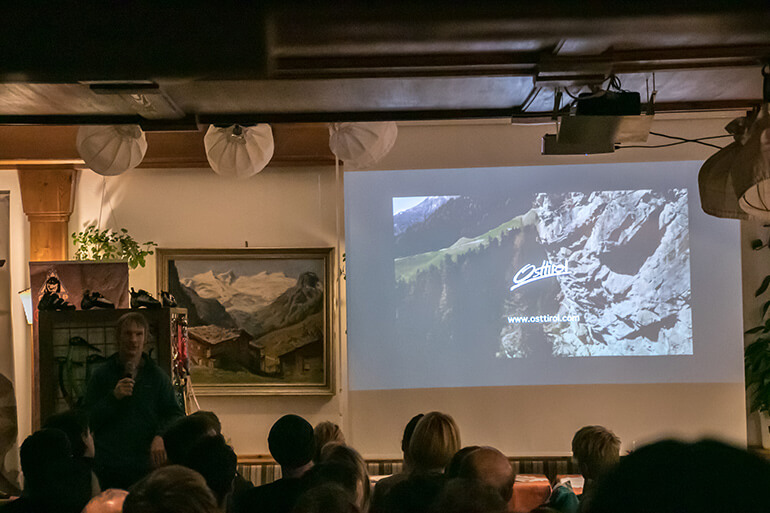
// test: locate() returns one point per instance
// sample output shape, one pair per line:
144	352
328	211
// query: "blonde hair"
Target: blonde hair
596	450
324	433
435	440
338	452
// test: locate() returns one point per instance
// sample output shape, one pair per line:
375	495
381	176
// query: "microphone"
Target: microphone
130	369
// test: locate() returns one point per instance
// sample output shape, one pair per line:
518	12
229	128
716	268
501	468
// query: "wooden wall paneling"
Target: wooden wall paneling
47	195
299	144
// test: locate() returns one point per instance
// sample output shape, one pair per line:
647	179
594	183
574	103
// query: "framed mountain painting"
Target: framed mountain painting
259	319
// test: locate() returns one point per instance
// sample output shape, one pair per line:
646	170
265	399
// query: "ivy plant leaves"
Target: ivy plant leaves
94	244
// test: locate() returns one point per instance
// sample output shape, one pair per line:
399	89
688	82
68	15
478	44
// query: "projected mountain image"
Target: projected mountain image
604	273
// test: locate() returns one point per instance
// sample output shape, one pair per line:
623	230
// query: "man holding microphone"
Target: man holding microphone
130	401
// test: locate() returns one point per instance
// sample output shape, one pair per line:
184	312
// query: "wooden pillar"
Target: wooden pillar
47	196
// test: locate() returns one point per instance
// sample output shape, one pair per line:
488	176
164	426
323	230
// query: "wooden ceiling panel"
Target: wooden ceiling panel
66	99
274	61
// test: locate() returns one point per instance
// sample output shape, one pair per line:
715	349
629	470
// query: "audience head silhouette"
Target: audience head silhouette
324	433
53	479
596	450
291	442
109	501
490	467
415	495
216	461
435	440
453	468
38	452
468	496
171	489
341	453
407	437
678	477
326	498
74	424
184	433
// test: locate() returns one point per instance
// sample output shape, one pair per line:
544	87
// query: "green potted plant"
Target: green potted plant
757	359
94	244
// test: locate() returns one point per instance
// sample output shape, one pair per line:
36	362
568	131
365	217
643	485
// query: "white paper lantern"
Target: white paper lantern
111	150
239	152
361	145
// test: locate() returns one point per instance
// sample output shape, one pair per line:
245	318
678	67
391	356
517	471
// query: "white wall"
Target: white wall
296	207
280	207
17	359
756	265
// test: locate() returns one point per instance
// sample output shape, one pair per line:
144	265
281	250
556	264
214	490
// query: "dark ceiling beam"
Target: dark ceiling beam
251	118
515	63
66	42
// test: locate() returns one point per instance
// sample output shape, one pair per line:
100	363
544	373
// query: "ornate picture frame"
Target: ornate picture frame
260	320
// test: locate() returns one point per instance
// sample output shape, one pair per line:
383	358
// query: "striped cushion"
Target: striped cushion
263	472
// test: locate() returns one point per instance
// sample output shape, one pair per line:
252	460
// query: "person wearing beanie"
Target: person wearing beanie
292	445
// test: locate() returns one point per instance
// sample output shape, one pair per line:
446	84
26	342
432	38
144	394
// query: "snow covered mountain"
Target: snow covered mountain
246	294
418	213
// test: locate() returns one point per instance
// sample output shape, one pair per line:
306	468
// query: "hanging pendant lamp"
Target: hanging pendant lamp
237	151
111	150
361	145
751	168
715	184
735	182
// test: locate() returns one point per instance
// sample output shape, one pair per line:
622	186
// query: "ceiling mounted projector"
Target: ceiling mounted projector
597	122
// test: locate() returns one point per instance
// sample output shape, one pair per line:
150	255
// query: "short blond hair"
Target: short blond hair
596	449
324	433
132	318
435	440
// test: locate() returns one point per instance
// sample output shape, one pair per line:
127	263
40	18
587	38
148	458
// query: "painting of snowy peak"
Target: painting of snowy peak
254	321
569	274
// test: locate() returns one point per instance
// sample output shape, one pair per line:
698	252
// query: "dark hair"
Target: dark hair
415	494
132	318
453	468
74	424
325	498
68	488
54	280
53	480
216	461
210	418
172	489
183	434
673	476
291	441
39	451
468	496
408	430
